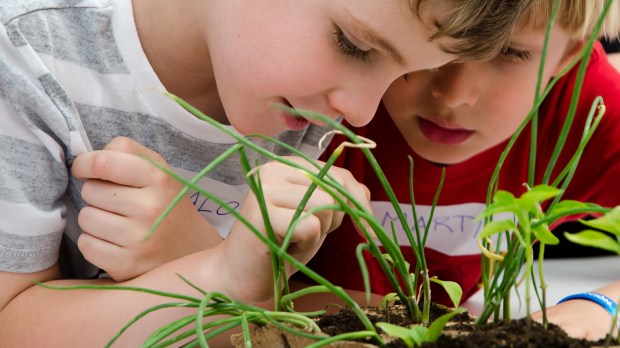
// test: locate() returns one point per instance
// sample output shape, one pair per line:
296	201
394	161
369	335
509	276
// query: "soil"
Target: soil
461	332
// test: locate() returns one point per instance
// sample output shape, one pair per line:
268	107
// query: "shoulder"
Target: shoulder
602	78
16	9
78	32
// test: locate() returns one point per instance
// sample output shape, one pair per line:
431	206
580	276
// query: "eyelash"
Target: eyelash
515	54
348	48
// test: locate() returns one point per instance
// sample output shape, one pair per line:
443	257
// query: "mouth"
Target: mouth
293	122
443	134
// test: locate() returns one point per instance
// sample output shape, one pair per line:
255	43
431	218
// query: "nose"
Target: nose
456	84
357	102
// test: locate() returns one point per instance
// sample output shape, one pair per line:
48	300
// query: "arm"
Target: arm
583	318
239	267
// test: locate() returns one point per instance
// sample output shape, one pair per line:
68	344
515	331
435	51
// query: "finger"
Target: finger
143	203
107	227
101	253
121	168
129	146
356	192
307	233
118	199
290	197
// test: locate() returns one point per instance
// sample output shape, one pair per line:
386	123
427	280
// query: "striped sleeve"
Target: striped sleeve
33	174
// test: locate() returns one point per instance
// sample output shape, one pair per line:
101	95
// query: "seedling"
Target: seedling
420	334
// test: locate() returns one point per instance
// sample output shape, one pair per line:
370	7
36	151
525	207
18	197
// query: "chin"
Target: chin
444	160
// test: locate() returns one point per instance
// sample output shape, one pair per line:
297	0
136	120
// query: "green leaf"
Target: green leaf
503	201
419	334
569	205
503	198
609	222
388	258
494	227
397	331
436	327
544	235
594	239
541	193
452	288
392	296
529	204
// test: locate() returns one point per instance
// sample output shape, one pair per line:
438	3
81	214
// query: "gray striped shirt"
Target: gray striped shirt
72	77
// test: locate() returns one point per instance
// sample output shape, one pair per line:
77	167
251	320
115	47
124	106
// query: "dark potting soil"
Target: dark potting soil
460	332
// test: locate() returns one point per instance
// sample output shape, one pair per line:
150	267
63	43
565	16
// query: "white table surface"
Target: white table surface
564	277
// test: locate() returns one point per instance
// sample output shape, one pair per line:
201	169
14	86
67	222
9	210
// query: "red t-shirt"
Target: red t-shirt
451	249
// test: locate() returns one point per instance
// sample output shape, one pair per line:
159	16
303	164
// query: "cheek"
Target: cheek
294	73
402	98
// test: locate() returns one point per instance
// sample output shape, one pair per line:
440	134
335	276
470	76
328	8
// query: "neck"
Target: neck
178	53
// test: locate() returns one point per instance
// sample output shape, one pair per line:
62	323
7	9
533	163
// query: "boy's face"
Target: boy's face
335	57
455	112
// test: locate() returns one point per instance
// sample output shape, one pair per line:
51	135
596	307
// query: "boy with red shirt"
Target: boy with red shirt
460	117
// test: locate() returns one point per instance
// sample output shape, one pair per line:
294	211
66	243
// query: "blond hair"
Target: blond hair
576	17
480	27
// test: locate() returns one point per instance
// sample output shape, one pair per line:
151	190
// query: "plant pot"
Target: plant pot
273	337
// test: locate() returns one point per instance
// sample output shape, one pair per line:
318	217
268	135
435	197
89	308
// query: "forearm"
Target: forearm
40	317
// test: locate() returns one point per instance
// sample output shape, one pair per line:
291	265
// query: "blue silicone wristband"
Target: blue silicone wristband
604	301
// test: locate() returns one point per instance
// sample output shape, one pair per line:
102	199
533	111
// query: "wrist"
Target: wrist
605	302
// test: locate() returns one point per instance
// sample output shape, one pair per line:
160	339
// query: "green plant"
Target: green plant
420	334
501	269
528	222
597	237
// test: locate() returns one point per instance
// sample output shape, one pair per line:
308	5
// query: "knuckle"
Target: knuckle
120	143
151	208
161	178
101	163
314	226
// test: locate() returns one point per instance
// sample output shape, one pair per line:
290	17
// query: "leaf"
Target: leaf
569	205
541	193
530	205
392	296
388	258
544	235
503	198
494	227
397	331
419	334
594	239
503	201
609	222
452	288
436	327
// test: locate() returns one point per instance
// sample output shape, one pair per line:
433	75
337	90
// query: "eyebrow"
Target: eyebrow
374	38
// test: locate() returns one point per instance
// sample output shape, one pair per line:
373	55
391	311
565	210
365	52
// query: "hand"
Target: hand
579	318
248	260
126	194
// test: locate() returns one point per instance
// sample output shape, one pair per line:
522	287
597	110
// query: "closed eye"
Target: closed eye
348	48
514	54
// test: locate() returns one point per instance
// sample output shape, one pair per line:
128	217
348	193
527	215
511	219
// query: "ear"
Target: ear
572	50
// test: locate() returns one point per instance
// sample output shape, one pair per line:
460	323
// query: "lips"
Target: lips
443	135
293	122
